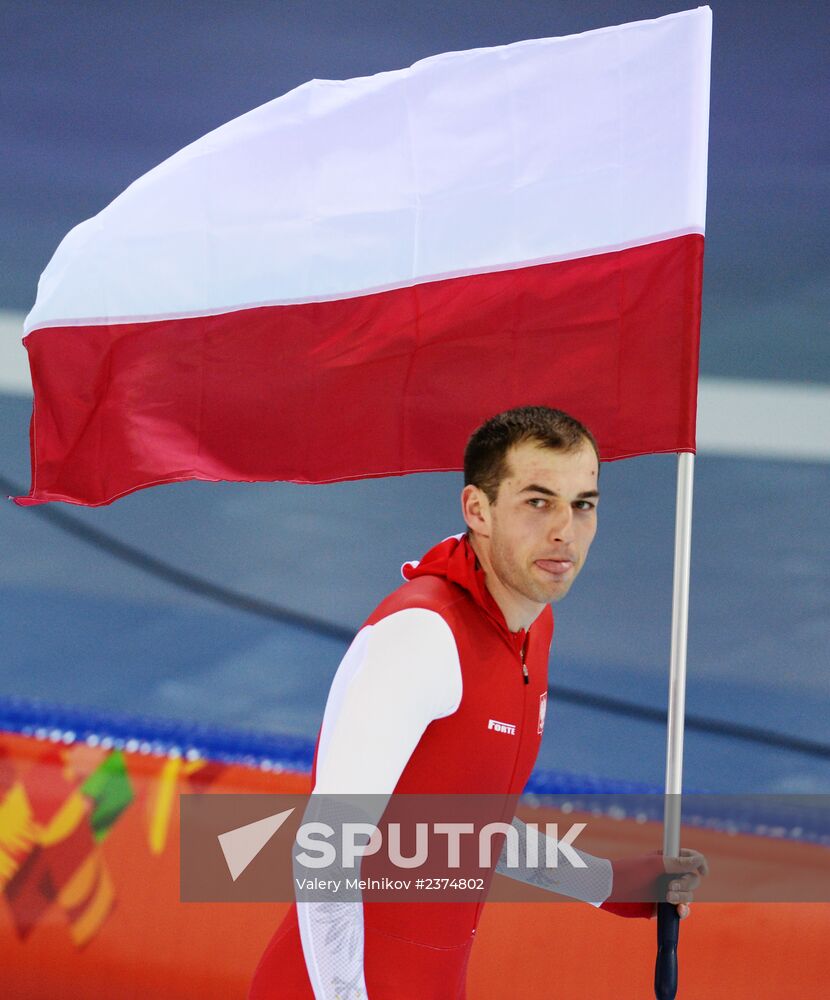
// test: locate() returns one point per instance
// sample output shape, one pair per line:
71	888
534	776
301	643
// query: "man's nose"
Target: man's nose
562	523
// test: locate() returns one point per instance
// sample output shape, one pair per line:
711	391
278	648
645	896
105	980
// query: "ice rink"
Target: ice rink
83	624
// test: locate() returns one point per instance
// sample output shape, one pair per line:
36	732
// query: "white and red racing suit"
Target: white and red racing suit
435	695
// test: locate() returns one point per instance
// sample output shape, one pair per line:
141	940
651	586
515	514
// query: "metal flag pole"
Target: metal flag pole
665	971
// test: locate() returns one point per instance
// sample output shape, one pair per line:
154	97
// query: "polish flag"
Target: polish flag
345	282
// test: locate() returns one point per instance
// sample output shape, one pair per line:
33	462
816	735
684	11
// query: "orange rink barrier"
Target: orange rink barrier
89	873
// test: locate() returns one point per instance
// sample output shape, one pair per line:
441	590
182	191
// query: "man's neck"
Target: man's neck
519	611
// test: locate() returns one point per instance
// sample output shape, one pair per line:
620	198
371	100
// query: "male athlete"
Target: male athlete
444	690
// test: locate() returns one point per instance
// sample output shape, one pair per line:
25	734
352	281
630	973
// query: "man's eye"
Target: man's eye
537	502
584	505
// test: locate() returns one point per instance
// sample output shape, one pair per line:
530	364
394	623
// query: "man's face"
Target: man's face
543	521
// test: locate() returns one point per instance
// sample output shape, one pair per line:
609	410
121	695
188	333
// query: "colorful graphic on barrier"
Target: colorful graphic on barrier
90	886
57	805
48	835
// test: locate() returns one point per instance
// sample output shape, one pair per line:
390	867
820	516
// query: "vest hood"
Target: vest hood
455	560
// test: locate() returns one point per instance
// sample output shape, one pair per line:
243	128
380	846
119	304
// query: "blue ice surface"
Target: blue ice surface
81	627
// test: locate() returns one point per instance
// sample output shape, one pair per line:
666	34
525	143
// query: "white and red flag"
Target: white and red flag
344	282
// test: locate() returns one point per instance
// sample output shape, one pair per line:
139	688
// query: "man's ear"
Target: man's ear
476	510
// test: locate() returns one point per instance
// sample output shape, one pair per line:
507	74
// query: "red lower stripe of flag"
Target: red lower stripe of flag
380	384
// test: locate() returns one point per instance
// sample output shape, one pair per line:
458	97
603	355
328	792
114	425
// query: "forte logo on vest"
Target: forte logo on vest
502	727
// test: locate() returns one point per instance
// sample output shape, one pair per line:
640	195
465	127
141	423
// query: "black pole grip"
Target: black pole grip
665	968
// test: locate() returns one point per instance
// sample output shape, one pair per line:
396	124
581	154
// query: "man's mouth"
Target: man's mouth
556	567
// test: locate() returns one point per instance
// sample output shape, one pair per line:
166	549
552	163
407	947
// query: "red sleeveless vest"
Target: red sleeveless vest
488	746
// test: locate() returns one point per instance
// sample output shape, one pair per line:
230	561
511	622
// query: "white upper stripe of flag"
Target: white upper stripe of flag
464	163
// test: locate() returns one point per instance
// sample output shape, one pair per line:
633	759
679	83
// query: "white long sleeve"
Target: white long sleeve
592	883
396	677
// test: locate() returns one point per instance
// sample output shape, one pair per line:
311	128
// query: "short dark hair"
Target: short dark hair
485	457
